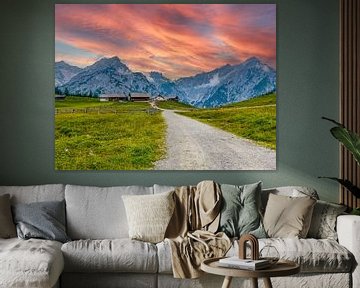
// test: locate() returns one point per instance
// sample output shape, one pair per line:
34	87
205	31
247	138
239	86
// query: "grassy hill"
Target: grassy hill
254	119
269	99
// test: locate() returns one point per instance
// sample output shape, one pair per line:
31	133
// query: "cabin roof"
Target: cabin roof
134	95
113	95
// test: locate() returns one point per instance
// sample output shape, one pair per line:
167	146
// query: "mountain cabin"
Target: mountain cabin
59	97
139	97
114	97
173	98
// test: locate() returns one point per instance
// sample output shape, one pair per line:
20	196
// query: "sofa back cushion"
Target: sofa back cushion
36	193
98	212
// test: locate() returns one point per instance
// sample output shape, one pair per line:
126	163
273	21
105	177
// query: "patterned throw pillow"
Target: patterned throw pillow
240	213
149	215
323	223
288	217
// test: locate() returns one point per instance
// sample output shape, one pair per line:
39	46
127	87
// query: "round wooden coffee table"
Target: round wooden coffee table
281	268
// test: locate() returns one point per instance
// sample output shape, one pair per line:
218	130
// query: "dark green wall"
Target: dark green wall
307	63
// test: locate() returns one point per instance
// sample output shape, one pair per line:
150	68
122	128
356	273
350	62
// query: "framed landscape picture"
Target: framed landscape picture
165	87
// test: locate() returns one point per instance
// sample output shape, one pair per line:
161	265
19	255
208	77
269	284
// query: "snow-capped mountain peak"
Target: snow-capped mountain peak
106	63
223	85
64	72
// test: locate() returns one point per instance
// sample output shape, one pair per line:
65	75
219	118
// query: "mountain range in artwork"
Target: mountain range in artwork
221	86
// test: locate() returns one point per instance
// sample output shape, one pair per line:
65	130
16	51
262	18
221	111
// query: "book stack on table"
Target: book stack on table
248	264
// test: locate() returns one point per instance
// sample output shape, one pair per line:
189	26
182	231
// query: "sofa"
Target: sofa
100	253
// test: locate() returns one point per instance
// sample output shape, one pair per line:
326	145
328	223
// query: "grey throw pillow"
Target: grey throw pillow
44	220
7	226
323	222
240	213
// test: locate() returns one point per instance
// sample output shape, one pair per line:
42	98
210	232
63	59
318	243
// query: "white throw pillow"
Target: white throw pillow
149	215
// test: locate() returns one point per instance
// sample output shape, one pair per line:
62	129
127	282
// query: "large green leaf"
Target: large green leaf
348	185
348	138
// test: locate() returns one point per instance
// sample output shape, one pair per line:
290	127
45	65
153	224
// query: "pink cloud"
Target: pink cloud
176	39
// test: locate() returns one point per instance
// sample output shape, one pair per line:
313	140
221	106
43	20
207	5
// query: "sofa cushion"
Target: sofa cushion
287	216
149	215
7	226
117	255
291	191
43	220
163	188
240	210
30	263
36	193
313	255
98	213
323	222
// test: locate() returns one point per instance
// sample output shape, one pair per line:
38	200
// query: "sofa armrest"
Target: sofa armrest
348	230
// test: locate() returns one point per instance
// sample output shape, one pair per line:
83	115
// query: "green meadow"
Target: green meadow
94	135
173	105
254	119
108	136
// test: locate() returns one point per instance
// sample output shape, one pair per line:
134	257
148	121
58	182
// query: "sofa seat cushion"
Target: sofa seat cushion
30	263
115	255
313	255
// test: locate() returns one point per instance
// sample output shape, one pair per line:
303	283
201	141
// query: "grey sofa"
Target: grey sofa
101	254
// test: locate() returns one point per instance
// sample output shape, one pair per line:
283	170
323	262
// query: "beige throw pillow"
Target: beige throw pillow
149	215
288	217
7	226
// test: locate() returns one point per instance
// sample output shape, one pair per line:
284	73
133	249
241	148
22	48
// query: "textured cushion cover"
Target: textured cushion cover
287	216
117	255
35	193
33	263
163	188
44	220
291	191
323	223
98	212
313	255
240	213
149	215
7	226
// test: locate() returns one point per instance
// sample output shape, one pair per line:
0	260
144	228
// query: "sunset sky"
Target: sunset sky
175	39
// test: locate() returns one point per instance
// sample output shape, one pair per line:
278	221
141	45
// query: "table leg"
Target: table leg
267	283
227	282
254	282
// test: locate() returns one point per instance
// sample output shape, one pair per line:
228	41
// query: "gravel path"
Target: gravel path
193	145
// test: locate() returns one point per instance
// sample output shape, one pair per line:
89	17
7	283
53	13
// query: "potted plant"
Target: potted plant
351	141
